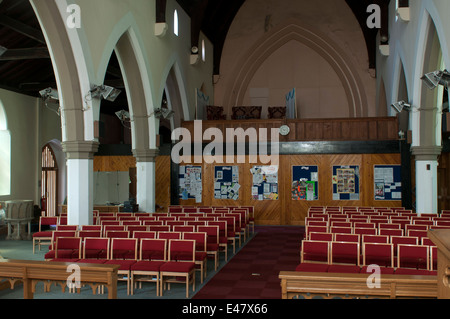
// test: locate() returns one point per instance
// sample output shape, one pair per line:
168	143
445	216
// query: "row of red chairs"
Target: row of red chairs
351	257
226	228
141	260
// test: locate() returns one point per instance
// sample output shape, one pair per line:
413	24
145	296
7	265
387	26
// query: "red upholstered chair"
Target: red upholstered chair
315	229
168	235
175	209
389	226
135	228
341	269
212	242
381	239
433	258
107	228
153	222
66	227
383	270
201	256
67	249
124	252
96	248
312	267
230	230
158	228
341	224
315	251
417	233
89	233
321	236
345	253
91	227
365	231
182	229
223	238
364	225
152	255
55	235
144	234
349	238
44	236
117	234
131	223
341	230
381	254
413	256
173	270
390	232
405	240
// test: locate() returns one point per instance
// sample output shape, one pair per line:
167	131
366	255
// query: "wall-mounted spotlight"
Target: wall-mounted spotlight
124	117
400	106
106	92
163	113
433	79
50	94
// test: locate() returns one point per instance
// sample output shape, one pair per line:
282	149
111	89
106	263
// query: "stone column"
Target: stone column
145	175
80	181
426	158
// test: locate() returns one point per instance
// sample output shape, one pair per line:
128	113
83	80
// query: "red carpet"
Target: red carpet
253	272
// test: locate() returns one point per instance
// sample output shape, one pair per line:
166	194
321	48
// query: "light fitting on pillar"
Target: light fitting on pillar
400	106
50	95
436	78
106	92
163	113
124	117
2	50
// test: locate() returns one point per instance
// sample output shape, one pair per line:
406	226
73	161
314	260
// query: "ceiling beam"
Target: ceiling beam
25	54
22	28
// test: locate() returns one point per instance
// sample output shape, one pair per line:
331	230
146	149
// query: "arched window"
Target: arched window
49	186
203	51
5	155
175	22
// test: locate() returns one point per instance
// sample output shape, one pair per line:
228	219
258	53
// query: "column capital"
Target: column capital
145	155
80	149
426	153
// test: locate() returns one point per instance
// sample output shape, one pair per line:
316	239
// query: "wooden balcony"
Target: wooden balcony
349	129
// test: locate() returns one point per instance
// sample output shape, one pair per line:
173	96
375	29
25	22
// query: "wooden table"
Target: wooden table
31	272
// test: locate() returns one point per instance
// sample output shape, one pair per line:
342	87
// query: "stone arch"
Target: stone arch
320	43
5	154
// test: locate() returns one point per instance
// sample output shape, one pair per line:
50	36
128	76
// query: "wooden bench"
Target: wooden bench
330	285
32	272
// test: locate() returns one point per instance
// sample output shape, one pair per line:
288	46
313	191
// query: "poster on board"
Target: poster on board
190	183
265	182
387	182
345	180
305	183
226	182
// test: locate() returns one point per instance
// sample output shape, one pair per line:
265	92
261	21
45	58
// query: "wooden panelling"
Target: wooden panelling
113	163
285	211
162	191
349	129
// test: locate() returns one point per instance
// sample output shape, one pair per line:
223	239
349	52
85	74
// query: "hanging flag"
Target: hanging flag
291	109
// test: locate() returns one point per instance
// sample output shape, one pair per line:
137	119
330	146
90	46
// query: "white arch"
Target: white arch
3	119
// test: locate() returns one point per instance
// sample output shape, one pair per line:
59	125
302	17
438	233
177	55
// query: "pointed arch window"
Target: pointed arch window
49	185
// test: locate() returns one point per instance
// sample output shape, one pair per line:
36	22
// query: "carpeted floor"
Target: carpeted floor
253	272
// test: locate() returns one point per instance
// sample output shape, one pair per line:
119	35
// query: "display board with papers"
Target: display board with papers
387	182
226	182
190	183
265	182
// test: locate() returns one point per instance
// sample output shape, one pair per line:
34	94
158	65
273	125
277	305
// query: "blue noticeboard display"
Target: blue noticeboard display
226	182
387	182
345	182
305	183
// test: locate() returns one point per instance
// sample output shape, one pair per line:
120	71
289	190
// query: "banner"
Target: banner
291	109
